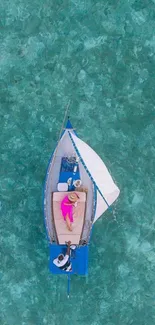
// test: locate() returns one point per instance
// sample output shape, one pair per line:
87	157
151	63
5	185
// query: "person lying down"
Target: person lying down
67	205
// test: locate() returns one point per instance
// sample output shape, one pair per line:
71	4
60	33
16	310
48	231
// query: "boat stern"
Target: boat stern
78	259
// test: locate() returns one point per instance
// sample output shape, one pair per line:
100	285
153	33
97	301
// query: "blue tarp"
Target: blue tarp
67	171
79	259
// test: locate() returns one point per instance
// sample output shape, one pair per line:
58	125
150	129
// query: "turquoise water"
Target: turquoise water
101	56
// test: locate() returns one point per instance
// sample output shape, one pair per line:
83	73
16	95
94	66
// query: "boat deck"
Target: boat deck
79	259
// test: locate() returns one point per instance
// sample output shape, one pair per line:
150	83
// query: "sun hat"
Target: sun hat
73	197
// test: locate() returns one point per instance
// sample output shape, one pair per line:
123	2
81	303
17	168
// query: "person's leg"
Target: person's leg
68	223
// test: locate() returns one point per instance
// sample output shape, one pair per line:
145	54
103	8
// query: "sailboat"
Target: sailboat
75	166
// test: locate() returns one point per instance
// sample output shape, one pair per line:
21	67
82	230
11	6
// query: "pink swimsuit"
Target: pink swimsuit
67	209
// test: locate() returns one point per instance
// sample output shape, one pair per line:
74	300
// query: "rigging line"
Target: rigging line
61	130
68	285
92	179
65	115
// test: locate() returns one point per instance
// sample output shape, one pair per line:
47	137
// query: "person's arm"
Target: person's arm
68	248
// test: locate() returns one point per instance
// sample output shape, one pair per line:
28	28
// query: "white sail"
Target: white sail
107	191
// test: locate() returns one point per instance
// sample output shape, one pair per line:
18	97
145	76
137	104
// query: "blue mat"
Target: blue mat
67	164
66	171
79	259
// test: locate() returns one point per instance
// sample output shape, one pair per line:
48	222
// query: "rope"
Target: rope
68	285
92	179
65	115
61	130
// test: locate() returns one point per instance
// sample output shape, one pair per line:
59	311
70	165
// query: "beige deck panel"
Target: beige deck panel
63	233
